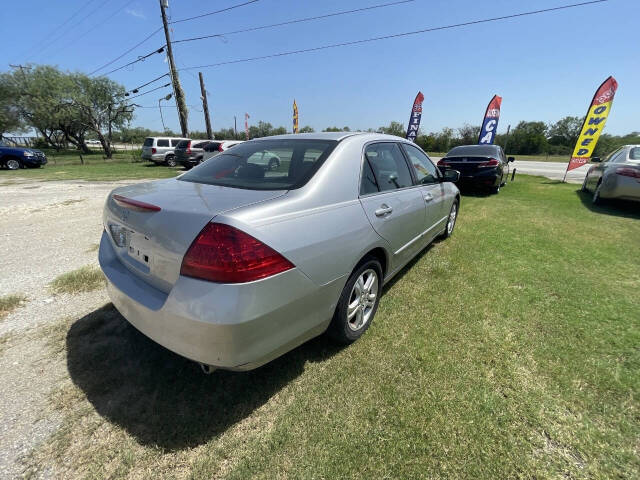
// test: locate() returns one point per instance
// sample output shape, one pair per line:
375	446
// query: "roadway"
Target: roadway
552	170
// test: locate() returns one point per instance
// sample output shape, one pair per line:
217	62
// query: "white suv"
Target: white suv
160	149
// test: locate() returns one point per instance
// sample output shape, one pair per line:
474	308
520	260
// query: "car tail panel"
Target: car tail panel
152	225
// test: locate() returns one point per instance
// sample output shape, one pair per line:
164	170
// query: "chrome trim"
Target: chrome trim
421	235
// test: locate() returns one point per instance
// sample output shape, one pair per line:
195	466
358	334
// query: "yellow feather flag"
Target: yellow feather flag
295	117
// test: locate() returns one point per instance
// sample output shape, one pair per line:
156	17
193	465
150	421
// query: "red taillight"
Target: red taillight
221	253
189	147
131	204
442	162
220	147
491	163
628	172
153	150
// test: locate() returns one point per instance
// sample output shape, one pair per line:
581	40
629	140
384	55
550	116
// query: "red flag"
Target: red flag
246	125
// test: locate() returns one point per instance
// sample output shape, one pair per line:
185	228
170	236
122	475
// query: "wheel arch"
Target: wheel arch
379	254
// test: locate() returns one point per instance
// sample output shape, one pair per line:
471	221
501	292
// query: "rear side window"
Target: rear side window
200	145
162	142
182	144
368	184
634	153
388	165
426	171
148	142
175	142
264	164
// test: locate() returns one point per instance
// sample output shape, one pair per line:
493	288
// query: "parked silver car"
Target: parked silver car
233	264
161	149
617	177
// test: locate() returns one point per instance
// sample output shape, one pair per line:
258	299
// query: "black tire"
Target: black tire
449	231
170	160
342	329
495	190
13	164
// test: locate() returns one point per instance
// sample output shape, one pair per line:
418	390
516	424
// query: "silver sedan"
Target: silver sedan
617	177
233	264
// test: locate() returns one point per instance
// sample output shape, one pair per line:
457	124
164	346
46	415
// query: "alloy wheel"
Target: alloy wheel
13	164
451	223
362	300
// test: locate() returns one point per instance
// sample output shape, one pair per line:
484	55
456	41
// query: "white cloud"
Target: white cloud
135	13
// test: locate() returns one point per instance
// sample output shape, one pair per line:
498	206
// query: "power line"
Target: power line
102	22
149	91
289	22
397	35
135	90
127	51
298	20
214	12
66	31
56	29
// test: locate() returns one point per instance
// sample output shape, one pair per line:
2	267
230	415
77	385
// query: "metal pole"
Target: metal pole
177	89
205	107
235	128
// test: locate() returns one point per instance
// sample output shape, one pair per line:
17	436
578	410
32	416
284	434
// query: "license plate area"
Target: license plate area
140	248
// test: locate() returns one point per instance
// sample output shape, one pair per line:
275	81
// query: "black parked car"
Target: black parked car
18	157
190	152
483	166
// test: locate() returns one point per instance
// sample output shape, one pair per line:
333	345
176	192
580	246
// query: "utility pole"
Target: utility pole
235	128
205	107
177	89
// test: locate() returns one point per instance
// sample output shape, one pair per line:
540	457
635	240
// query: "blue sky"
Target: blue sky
544	66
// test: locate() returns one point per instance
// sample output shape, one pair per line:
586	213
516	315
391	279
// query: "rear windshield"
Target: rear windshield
200	145
264	164
148	142
634	153
182	144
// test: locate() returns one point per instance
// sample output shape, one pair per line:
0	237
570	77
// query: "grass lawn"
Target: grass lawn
507	351
84	279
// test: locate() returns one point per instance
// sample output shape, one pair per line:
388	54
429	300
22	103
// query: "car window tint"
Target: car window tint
619	157
389	166
162	142
212	147
199	145
264	164
609	157
368	184
634	153
426	171
175	142
148	142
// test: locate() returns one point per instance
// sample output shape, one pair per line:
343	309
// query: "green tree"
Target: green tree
528	138
307	129
468	134
10	119
100	105
565	132
394	128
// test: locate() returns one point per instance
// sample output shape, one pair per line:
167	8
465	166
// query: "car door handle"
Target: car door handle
383	210
428	197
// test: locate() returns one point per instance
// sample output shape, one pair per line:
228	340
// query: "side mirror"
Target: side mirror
596	159
451	176
511	159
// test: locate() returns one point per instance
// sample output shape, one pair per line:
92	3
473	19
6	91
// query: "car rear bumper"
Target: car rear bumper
230	326
488	177
621	187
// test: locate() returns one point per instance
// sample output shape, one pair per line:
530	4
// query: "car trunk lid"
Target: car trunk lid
151	225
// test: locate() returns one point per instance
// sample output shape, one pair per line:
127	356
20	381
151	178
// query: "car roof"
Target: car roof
338	136
473	150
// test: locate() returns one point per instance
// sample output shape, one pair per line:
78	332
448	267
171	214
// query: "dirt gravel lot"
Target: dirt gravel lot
46	229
